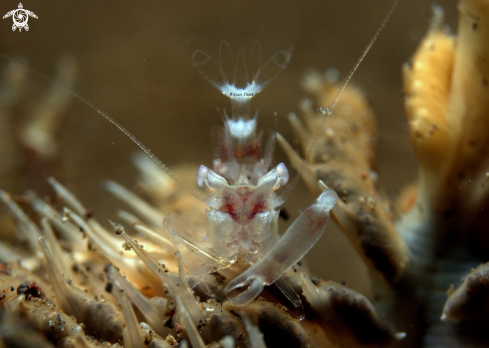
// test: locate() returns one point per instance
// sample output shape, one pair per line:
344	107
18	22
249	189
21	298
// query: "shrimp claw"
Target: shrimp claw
290	249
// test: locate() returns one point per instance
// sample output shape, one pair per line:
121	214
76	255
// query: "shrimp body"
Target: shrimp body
242	223
243	220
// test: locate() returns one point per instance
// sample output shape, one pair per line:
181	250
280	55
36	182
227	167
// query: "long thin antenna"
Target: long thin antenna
329	110
148	152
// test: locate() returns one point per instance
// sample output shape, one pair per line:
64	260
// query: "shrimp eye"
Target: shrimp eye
23	289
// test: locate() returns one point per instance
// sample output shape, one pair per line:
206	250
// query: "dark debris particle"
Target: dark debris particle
315	280
168	323
35	290
23	289
89	213
108	287
233	312
22	200
118	229
148	339
59	323
284	214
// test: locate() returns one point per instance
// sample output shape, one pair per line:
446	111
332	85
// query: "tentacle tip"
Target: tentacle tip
322	185
117	228
280	138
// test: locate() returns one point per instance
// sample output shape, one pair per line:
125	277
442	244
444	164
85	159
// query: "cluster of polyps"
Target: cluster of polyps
241	227
241	242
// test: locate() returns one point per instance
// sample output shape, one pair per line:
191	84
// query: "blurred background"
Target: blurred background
134	65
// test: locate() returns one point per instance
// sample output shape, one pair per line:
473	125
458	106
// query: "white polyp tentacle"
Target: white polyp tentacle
27	227
149	213
256	337
7	254
80	337
133	336
152	316
109	250
59	258
190	326
67	196
177	287
150	173
63	300
80	210
147	231
67	230
299	238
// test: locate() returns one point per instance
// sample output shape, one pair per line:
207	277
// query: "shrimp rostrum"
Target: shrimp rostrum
242	223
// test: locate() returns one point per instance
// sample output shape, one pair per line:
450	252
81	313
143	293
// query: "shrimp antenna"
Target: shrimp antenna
146	150
329	110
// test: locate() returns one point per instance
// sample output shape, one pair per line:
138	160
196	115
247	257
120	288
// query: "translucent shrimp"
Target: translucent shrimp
242	221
